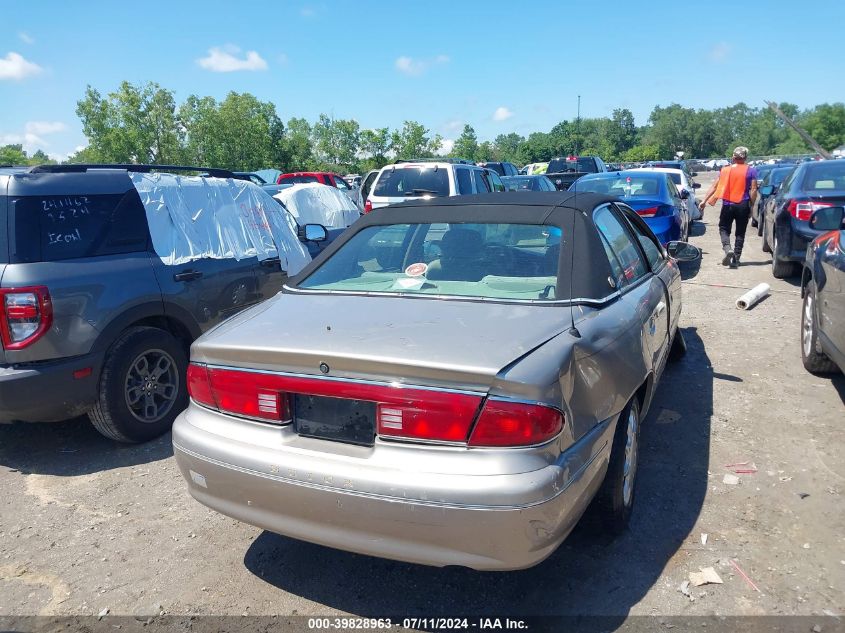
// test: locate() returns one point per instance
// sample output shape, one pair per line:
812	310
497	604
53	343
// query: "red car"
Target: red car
323	177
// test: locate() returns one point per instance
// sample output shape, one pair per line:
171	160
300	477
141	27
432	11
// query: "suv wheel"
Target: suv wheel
814	359
615	499
780	270
142	387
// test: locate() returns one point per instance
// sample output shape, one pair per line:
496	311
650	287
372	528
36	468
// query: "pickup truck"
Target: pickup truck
564	171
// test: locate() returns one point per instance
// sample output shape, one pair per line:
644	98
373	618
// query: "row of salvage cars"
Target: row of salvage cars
799	216
450	381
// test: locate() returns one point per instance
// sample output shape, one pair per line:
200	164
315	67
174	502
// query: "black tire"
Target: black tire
164	397
754	223
767	248
760	225
814	359
780	270
614	503
679	346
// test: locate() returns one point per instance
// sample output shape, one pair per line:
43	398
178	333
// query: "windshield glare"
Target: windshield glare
493	261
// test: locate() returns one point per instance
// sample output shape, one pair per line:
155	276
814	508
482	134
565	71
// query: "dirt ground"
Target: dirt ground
88	525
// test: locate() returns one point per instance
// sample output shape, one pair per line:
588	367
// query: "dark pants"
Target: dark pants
739	213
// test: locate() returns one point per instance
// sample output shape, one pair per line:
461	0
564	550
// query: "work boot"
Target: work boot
734	260
728	258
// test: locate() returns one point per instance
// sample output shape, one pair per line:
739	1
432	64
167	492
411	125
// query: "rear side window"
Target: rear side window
413	181
481	184
464	179
53	228
620	242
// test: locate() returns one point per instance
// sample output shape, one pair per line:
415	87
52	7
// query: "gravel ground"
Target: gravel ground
87	525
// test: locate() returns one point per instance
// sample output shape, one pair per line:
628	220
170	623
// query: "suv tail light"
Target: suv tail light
368	206
803	209
26	314
507	423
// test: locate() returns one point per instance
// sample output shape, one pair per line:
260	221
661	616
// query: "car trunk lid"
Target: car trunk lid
430	342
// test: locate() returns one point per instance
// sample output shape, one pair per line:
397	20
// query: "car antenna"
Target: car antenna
572	329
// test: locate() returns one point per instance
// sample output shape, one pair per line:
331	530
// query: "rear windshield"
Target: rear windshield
53	228
825	176
580	164
623	187
495	261
521	183
413	182
299	179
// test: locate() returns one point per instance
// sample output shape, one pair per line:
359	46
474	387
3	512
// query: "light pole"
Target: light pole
578	127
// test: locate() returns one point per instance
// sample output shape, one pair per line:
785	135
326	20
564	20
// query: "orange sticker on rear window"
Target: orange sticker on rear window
416	270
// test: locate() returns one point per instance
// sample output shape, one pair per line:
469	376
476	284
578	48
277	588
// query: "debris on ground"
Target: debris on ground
703	538
731	480
103	613
743	468
706	576
745	576
684	589
803	495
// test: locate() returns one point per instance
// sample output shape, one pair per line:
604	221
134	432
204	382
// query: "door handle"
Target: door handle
273	262
188	275
661	308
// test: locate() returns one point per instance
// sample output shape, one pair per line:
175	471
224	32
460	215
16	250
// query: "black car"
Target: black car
501	168
774	176
787	229
823	291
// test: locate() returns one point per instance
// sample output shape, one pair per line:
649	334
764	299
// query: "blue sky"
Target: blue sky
499	66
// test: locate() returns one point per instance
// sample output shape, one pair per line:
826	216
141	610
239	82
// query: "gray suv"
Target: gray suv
94	318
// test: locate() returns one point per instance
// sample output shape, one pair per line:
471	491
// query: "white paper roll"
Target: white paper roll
751	297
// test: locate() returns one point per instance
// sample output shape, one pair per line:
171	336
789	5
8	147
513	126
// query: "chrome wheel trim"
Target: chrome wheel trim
151	386
629	468
807	325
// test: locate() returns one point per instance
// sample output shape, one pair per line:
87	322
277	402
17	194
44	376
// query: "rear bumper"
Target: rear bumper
665	228
48	392
797	236
340	499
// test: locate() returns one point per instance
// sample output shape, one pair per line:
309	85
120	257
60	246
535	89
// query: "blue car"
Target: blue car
652	195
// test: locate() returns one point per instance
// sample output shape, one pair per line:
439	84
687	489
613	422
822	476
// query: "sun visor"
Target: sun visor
313	203
194	217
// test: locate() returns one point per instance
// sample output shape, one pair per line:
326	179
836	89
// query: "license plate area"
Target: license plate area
335	419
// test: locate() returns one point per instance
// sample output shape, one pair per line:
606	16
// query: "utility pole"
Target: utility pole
578	127
806	137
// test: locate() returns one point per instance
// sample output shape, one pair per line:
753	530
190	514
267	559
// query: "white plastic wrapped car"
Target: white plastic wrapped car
314	203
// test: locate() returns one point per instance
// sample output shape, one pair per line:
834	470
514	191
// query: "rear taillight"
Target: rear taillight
648	212
368	206
430	415
26	315
507	423
803	209
199	385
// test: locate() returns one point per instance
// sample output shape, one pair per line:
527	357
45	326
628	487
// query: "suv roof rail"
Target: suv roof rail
454	161
144	169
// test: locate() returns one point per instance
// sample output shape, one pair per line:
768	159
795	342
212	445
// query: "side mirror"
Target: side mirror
827	219
684	194
696	185
313	233
683	251
695	173
767	190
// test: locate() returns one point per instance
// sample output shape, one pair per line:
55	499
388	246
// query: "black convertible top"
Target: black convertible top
582	255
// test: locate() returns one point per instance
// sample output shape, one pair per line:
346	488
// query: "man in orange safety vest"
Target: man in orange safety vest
737	189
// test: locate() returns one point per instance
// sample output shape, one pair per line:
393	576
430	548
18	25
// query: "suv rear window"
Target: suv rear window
824	176
413	181
299	179
54	228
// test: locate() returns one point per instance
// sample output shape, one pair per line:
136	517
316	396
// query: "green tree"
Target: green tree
826	124
414	141
240	132
506	147
135	124
336	142
466	145
376	144
621	133
13	155
485	152
641	153
297	151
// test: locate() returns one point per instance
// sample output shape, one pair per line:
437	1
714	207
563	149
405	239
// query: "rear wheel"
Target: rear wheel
142	387
780	270
814	359
615	499
766	246
760	225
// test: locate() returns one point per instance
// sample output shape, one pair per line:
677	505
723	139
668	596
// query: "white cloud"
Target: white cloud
453	127
44	127
413	67
446	146
32	136
226	59
719	52
502	114
14	66
26	38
